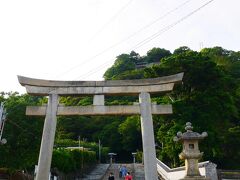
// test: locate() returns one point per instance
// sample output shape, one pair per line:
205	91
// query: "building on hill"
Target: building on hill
141	65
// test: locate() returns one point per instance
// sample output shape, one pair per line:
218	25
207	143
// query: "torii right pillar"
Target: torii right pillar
149	151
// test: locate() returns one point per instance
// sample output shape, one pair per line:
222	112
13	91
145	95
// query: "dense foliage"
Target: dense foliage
23	134
72	160
209	97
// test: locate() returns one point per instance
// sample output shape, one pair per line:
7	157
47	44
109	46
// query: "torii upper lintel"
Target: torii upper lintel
118	87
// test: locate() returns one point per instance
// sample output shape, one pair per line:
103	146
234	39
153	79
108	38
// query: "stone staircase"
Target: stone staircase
139	171
97	173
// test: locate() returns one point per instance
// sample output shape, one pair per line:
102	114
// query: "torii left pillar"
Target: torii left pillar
45	156
149	151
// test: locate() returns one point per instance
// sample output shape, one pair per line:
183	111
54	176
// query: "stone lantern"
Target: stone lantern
111	157
191	153
134	157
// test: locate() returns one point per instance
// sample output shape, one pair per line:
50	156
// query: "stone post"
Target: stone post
111	157
149	152
134	157
98	100
45	156
211	171
111	160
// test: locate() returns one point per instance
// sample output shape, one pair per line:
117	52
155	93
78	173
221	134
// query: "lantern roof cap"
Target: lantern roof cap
189	134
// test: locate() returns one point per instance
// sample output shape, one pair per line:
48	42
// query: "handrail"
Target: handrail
164	170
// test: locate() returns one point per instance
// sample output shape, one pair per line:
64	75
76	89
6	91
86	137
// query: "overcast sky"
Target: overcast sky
79	39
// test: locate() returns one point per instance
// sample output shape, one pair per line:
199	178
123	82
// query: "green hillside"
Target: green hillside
209	97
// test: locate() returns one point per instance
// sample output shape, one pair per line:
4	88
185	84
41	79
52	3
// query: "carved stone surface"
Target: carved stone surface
190	153
117	87
24	81
211	171
149	151
98	110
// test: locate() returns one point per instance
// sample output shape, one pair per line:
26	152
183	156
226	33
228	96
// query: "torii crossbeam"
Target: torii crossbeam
141	87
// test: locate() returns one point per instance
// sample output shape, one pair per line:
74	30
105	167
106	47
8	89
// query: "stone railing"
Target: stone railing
206	168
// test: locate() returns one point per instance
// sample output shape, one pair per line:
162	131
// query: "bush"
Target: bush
71	160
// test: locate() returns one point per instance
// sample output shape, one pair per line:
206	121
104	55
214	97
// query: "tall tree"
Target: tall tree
156	54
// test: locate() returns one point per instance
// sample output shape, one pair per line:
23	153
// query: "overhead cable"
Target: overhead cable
160	32
125	39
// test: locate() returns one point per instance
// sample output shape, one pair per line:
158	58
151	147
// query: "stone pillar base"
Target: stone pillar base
195	178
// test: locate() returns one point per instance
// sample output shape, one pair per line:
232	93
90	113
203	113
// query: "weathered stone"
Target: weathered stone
98	110
139	82
191	153
211	171
98	100
45	156
149	152
115	90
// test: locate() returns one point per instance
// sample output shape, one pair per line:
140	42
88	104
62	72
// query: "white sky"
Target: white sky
79	39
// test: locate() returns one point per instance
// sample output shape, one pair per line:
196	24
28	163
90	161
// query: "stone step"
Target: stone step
97	173
139	171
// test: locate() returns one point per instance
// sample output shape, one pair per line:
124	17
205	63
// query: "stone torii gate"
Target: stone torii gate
142	88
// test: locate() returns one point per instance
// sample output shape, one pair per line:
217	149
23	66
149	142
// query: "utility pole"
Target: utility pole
79	141
99	153
2	123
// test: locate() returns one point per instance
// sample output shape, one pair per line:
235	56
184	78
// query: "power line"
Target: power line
98	32
125	39
15	124
160	18
16	107
111	19
160	32
93	71
25	131
165	29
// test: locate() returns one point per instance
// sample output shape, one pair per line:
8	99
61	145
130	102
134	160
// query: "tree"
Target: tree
181	50
209	97
124	62
22	133
206	98
130	131
156	54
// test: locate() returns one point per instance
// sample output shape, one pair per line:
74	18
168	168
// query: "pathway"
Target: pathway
97	173
137	172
